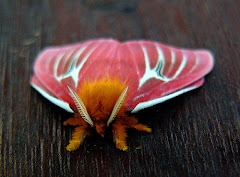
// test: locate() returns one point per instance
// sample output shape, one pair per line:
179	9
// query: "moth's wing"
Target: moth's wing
154	72
48	95
58	67
153	102
159	72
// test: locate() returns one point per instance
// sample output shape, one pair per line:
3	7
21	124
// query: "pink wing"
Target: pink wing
154	72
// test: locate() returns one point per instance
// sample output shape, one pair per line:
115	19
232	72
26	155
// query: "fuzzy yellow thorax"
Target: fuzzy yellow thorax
100	96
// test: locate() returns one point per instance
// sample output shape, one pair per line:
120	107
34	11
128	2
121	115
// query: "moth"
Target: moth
99	80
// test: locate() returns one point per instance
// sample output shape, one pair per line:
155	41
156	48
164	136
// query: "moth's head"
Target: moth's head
100	127
100	103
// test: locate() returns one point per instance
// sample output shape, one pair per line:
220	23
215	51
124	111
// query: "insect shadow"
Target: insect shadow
162	111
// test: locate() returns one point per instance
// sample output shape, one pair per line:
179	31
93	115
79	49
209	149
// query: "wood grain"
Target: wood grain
196	134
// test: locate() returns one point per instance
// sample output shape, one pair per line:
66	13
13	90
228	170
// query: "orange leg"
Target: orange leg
71	121
133	123
119	136
77	138
141	127
75	121
119	130
80	132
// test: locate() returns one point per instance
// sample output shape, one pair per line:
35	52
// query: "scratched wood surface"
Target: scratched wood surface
196	134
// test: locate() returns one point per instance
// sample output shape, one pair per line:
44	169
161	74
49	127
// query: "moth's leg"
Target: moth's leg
75	121
77	137
133	123
119	136
141	127
71	121
79	133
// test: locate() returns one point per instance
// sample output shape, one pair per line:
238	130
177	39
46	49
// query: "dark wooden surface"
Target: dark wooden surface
196	134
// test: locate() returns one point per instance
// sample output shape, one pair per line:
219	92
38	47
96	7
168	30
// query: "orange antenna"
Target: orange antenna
80	106
117	106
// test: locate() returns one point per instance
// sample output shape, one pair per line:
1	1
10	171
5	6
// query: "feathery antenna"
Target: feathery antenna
117	106
80	106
